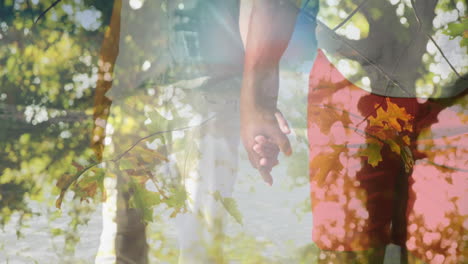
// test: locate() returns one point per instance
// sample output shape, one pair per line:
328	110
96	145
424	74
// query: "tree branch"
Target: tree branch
47	10
420	25
350	15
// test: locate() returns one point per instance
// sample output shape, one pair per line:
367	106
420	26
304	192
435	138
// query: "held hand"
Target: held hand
266	148
264	135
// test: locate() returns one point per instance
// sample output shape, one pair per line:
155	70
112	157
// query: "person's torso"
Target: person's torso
163	42
394	49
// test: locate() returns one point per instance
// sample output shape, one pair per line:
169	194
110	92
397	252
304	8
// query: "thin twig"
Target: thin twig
155	182
413	38
157	133
365	58
445	57
78	175
418	19
371	113
69	183
446	167
47	10
350	15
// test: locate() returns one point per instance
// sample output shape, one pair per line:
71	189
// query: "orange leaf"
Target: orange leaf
151	153
324	117
64	181
390	117
90	189
324	163
58	202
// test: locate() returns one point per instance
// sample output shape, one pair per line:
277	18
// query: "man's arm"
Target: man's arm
270	29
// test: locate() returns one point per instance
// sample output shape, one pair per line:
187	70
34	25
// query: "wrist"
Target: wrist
260	89
258	102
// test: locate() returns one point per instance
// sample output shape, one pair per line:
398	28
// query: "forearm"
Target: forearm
270	29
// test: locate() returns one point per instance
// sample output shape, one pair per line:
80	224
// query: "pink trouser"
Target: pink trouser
365	190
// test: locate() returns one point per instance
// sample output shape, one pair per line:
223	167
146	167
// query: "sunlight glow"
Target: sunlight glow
366	81
136	4
403	20
352	32
146	65
332	2
345	67
89	19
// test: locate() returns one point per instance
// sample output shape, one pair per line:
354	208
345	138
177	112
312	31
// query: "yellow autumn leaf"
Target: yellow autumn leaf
389	118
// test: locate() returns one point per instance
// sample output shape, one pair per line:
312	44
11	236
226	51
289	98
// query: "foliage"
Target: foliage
458	29
46	91
389	127
48	77
46	88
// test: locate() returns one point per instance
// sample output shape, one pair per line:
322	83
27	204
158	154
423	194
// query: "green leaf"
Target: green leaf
455	29
177	199
372	152
125	164
144	200
230	205
458	29
394	146
56	231
408	159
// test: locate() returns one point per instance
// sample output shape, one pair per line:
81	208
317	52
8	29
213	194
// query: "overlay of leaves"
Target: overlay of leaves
326	163
388	127
230	205
131	163
144	200
325	120
458	29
